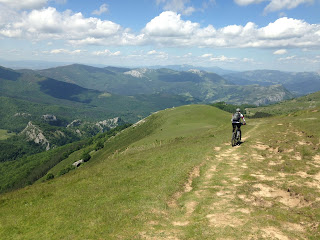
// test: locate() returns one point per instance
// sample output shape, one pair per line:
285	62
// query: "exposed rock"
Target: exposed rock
77	163
271	99
74	123
196	71
35	134
59	134
109	123
22	115
138	73
49	118
79	132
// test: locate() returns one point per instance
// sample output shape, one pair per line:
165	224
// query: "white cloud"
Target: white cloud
207	55
24	4
277	5
157	54
248	2
280	52
106	52
103	9
232	30
248	60
168	29
169	24
48	23
284	28
177	6
222	59
152	52
288	58
65	51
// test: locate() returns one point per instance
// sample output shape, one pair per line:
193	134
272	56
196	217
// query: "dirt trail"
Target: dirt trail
230	198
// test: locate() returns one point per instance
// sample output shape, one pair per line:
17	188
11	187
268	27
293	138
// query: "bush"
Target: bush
49	176
66	170
86	156
99	145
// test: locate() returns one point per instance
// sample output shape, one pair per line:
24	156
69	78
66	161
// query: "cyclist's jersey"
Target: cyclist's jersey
241	117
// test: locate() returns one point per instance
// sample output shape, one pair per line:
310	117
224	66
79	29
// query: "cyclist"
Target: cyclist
236	120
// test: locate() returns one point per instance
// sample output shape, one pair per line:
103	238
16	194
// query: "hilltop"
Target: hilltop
174	175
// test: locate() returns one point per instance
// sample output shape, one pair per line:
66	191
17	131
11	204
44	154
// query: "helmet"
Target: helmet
238	109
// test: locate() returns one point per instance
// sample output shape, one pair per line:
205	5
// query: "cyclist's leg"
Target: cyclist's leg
233	127
239	127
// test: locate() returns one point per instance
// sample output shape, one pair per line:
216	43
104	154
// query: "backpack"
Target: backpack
236	117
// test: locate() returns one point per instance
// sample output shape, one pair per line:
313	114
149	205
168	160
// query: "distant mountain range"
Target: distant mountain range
300	83
194	84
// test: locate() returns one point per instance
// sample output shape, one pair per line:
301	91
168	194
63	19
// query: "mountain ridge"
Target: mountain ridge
197	84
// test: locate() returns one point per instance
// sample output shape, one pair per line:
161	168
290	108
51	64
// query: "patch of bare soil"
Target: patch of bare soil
190	207
223	220
186	188
257	157
274	233
316	159
295	227
263	177
255	201
260	146
285	197
217	149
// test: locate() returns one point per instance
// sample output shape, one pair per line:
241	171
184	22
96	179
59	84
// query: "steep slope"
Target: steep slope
174	175
194	84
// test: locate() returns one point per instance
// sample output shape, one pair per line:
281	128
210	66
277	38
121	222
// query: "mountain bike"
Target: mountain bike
236	136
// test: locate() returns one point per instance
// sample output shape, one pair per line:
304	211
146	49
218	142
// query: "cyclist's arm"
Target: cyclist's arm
243	119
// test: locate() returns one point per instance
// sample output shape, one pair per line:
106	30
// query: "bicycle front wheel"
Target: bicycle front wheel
233	139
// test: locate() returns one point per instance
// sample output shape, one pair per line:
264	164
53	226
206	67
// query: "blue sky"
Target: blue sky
232	34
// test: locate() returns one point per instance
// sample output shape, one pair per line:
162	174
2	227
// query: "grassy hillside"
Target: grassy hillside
175	176
120	187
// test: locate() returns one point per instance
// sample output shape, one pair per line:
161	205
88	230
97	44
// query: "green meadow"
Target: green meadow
4	134
174	175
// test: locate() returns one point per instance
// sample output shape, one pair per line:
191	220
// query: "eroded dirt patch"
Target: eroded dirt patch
285	197
186	188
223	220
274	233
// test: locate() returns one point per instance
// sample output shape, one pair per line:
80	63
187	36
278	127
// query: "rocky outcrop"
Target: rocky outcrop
49	118
110	123
22	115
35	134
77	163
74	123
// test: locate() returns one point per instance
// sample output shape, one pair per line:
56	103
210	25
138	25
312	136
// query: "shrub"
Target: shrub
86	156
99	145
66	170
49	176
